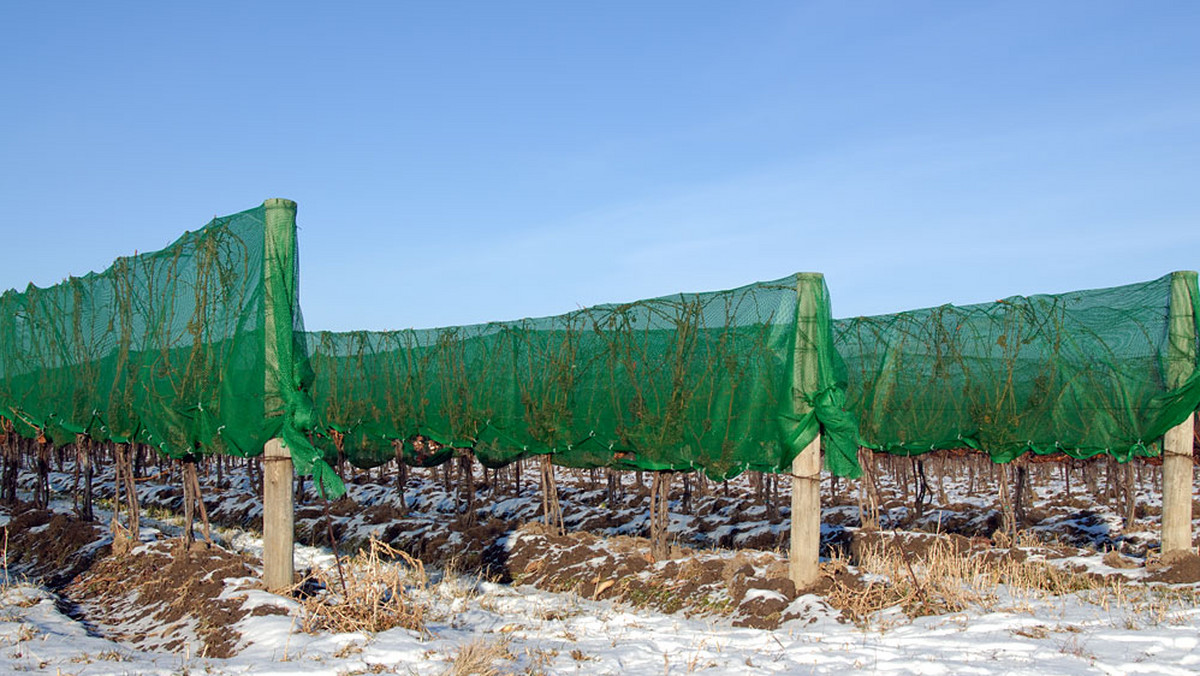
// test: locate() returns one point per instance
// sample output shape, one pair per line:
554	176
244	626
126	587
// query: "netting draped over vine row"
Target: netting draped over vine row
722	382
1086	372
199	348
189	350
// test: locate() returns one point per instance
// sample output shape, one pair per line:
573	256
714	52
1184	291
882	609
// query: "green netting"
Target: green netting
199	348
189	350
722	382
1087	372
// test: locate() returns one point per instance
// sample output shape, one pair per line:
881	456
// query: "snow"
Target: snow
534	631
542	632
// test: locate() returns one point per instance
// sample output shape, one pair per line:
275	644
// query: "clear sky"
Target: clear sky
459	162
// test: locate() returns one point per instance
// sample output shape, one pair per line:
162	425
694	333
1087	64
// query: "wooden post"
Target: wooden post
1177	443
804	556
1177	488
278	253
278	561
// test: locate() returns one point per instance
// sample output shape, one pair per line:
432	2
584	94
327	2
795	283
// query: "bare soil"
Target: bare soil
53	547
175	591
158	596
1176	568
728	556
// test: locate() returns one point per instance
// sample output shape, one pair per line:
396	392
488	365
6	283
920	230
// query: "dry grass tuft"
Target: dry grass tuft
479	658
7	584
5	580
943	581
376	596
933	586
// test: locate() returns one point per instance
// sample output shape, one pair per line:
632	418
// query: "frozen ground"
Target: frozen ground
476	626
530	631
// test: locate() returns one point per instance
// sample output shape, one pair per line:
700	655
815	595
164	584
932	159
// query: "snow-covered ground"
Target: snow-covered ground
475	626
525	630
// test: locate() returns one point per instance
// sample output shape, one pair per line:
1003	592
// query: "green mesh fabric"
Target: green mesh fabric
189	350
1087	372
694	381
200	348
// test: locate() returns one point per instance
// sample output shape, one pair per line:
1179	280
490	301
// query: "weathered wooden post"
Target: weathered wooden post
1177	488
278	562
278	251
804	556
1177	443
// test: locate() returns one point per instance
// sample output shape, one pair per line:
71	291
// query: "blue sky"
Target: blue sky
459	162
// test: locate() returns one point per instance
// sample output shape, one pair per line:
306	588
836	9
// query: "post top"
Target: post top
274	448
279	202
